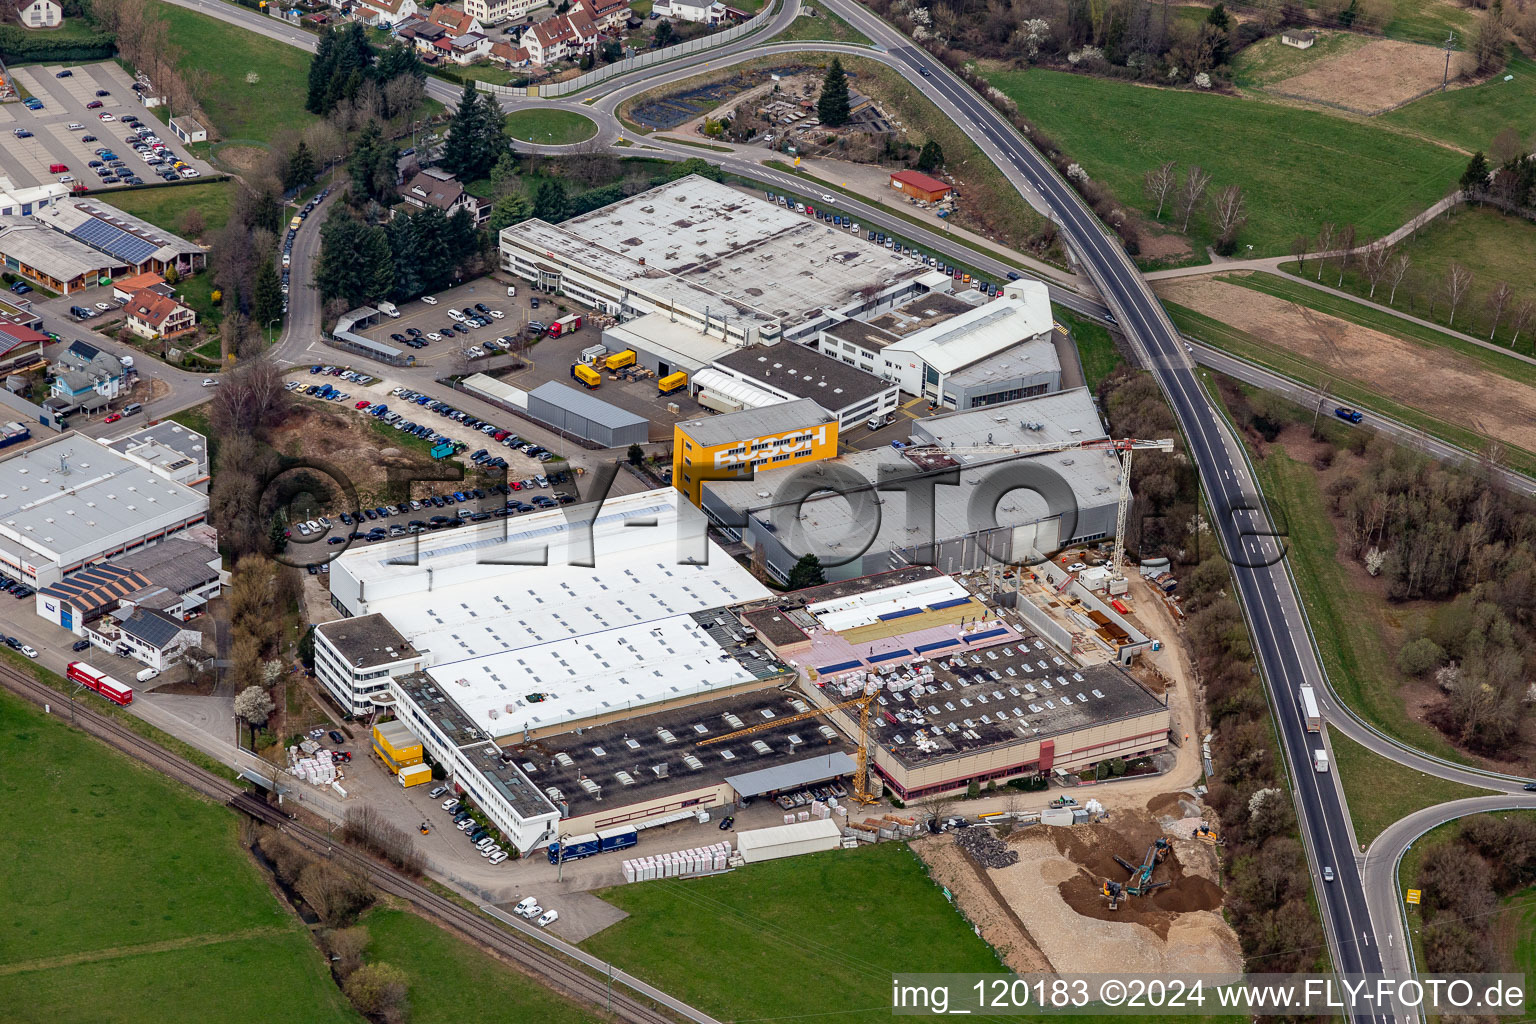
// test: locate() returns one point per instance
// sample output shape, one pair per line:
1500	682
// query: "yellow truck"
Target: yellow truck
586	376
672	382
619	360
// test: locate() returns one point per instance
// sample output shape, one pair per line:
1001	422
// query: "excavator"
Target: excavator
1140	882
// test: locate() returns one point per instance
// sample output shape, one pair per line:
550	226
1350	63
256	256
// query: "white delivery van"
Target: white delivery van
1320	760
146	674
524	905
548	918
388	309
511	290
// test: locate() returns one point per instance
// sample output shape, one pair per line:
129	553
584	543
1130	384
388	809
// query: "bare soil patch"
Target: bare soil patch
345	441
1370	80
1437	381
1055	891
981	903
241	159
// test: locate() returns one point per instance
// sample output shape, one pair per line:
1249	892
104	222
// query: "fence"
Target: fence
643	60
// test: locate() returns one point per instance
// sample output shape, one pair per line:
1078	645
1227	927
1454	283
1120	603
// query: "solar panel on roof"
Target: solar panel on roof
114	241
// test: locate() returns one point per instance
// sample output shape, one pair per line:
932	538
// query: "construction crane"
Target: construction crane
864	703
1124	446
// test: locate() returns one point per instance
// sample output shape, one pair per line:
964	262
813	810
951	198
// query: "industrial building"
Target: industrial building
354	659
179	453
131	241
698	259
956	355
965	691
585	416
864	512
72	501
768	374
52	259
734	444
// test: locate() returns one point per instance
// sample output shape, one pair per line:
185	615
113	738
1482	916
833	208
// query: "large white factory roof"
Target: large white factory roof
869	606
618	633
1024	312
756	259
1046	419
72	498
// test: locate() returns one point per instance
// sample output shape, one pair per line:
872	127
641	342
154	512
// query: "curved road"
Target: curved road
1265	589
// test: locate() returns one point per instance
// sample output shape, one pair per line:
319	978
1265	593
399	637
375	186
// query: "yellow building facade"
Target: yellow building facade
752	440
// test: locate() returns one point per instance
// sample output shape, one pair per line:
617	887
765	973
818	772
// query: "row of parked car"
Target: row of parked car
501	436
802	798
16	589
484	839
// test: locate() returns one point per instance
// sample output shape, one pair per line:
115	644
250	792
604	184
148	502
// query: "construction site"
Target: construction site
1134	892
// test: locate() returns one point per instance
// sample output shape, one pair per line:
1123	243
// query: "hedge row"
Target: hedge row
20	46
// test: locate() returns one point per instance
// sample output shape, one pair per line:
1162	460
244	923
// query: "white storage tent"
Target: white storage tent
788	840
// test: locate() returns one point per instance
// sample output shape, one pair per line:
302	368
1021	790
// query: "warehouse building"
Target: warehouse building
783	373
814	836
968	691
982	511
734	444
179	453
135	243
584	416
52	259
919	186
71	501
704	257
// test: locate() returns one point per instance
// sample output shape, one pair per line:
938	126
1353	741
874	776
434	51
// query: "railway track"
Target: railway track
554	970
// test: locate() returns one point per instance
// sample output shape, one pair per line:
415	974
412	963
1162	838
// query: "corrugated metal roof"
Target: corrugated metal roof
792	775
583	404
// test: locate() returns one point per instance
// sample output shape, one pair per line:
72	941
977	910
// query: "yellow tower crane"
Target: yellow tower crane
861	774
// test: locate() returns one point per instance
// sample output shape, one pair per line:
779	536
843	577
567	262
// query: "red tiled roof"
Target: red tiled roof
919	180
152	307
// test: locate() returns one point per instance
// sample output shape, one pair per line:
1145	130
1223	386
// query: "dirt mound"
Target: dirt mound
1171	805
1093	849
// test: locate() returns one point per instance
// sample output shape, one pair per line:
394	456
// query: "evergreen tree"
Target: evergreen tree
459	154
551	202
372	167
266	296
377	266
435	260
463	236
508	210
320	68
931	158
832	107
1219	17
504	173
336	269
663	37
806	573
402	233
301	167
1476	174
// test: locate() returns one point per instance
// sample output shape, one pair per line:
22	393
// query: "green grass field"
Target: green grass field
1381	791
256	86
453	982
1269	60
1471	117
1095	347
163	207
1298	168
1493	247
1348	624
816	935
124	898
826	27
549	126
1428	21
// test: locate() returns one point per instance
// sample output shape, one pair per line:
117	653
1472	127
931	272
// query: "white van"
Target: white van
511	290
548	918
388	309
523	905
532	912
146	674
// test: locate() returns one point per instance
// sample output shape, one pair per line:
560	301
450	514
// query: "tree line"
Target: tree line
345	68
1185	195
1463	881
1262	863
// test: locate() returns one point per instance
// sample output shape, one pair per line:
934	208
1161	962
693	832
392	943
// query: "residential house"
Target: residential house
1298	38
384	13
421	34
439	189
607	15
508	55
457	22
39	13
563	37
152	315
465	49
494	12
708	12
124	287
146	635
86	375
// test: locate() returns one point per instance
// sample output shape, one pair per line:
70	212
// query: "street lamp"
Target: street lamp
274	320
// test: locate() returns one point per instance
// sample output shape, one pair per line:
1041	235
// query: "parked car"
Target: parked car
336	737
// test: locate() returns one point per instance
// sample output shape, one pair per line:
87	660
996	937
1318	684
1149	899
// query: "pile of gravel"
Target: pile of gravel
985	848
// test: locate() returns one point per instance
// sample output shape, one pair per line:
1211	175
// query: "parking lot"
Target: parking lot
445	355
27	161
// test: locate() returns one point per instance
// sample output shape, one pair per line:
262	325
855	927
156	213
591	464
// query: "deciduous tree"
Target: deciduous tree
1230	212
1325	237
1300	246
1396	271
254	705
1159	185
1196	181
1497	302
1520	318
1458	281
1373	264
1346	244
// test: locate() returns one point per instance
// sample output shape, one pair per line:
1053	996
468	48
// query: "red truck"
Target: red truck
100	682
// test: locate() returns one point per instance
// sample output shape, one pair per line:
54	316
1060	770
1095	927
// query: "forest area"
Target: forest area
1464	880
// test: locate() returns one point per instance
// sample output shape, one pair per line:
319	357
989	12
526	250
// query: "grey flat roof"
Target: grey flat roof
1062	416
367	639
178	564
666	739
865	335
1038	700
52	252
826	380
750	423
169	434
920	312
584	405
71	498
810	771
